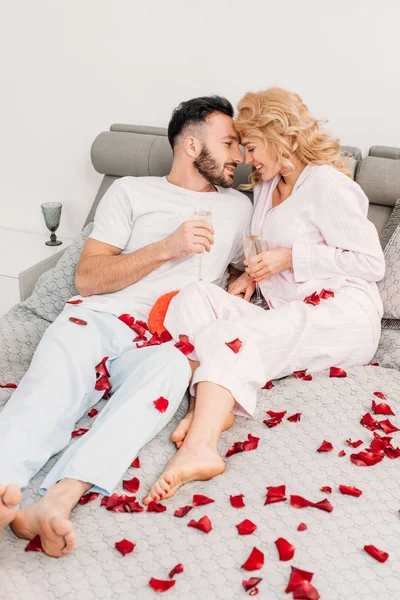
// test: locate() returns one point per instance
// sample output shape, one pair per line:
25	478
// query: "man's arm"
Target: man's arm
103	270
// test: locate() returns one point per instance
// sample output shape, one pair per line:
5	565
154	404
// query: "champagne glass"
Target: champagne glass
203	213
252	246
52	213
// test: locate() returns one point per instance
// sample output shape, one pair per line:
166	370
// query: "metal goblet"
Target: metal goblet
52	213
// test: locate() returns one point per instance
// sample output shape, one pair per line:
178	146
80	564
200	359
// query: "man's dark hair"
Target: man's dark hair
194	112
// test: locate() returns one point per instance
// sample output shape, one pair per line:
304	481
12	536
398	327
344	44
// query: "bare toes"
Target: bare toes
12	496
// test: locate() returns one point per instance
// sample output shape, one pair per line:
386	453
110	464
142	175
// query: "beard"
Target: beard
211	170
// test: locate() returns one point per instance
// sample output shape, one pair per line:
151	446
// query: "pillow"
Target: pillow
389	287
56	286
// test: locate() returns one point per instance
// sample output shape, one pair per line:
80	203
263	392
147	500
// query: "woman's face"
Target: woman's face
262	157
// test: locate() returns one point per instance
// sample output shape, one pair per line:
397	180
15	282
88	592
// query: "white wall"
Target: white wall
73	67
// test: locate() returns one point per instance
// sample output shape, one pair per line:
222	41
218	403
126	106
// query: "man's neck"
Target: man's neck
189	179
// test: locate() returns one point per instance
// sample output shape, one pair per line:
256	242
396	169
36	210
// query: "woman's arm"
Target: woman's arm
352	243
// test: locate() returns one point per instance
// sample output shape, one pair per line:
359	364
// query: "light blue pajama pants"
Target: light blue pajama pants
59	388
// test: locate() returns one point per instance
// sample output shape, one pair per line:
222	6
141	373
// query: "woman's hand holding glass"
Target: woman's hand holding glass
242	286
270	262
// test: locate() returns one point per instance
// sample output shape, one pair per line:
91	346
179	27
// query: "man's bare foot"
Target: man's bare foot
10	497
181	431
49	518
187	465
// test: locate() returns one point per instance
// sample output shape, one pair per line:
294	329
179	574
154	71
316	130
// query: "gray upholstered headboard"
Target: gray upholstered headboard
139	151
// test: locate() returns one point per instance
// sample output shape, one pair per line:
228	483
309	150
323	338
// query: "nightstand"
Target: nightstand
23	258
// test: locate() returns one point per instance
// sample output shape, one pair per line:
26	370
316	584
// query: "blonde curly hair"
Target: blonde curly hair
280	118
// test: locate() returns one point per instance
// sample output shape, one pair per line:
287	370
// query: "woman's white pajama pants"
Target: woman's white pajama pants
338	332
59	388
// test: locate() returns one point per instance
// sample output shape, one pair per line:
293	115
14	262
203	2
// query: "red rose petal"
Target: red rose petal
248	584
268	386
77	321
251	443
305	591
373	365
127	319
184	345
300	502
365	459
323	505
77	432
325	447
379	555
294	418
132	485
35	545
387	426
160	585
110	501
342	453
199	499
156	507
139	329
246	527
177	569
204	524
297	578
235	449
103	383
300	374
101	368
307	377
273	422
381	409
89	497
350	490
255	560
74	301
132	507
235	345
325	294
161	404
302	527
337	372
181	512
275	494
285	550
237	501
380	395
354	444
327	489
313	299
254	592
11	386
125	547
369	422
136	463
92	413
274	414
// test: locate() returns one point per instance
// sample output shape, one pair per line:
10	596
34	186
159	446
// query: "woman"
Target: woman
312	218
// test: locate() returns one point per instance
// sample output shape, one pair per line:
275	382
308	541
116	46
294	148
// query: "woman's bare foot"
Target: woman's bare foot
10	497
49	518
187	465
181	431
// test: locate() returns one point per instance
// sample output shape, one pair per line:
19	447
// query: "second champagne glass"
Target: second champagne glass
253	245
202	213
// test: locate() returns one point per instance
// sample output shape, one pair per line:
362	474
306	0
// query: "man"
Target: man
144	243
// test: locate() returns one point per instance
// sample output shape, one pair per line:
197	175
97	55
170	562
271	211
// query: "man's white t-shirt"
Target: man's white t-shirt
138	211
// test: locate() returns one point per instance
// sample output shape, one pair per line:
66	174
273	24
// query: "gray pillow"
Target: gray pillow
389	287
56	286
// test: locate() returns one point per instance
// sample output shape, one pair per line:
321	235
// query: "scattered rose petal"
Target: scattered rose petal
127	319
354	444
323	505
274	414
337	372
74	301
268	386
248	584
251	443
369	422
156	507
101	368
294	418
92	412
313	299
176	570
365	459
325	447
246	527
300	374
305	591
132	485
254	592
325	294
235	345
161	404
181	512
350	490
235	449
237	501
373	365
380	395
121	503
273	422
307	377
302	527
298	577
204	524
382	408
77	432
136	463
89	497
132	506
285	550
184	345
199	499
125	547
255	560
379	555
275	494
11	386
342	453
77	321
35	545
300	502
327	489
160	585
387	426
